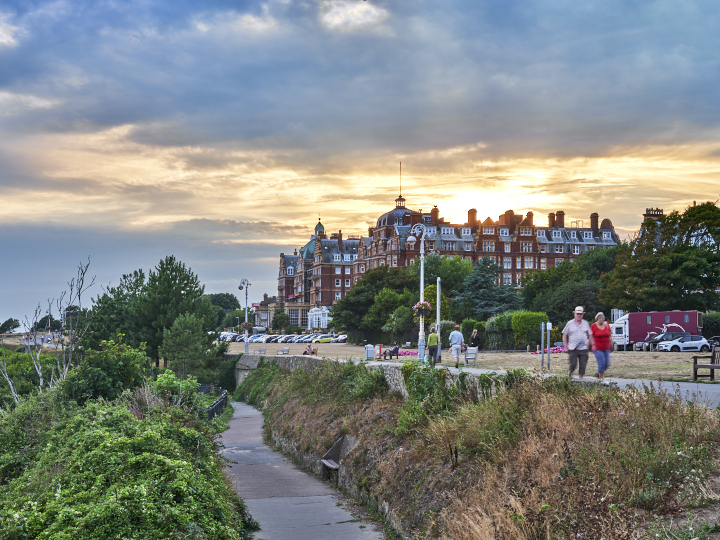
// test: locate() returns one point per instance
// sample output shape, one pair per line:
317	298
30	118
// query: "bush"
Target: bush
480	326
526	325
711	324
106	373
467	326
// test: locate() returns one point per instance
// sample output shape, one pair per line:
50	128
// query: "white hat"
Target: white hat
579	309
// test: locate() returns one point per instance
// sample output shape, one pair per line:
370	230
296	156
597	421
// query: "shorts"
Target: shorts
603	360
575	356
456	350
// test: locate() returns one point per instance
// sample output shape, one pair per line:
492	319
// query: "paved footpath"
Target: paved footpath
289	503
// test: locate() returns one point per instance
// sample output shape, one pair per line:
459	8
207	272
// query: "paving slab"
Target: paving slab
289	503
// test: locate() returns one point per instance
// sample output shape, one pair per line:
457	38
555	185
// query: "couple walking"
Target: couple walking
457	343
579	337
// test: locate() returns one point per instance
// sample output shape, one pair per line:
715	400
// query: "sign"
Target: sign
255	304
549	325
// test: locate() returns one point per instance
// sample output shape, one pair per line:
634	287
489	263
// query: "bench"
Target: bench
471	354
261	350
389	353
714	364
407	344
284	350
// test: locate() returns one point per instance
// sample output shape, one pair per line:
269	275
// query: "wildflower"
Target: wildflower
633	425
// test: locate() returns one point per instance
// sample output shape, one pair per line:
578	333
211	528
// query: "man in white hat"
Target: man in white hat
577	339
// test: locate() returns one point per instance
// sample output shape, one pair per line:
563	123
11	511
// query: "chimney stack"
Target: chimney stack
510	221
551	219
434	213
530	218
560	219
472	219
594	218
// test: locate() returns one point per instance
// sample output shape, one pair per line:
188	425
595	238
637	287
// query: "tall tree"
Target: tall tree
184	345
172	289
452	272
386	301
281	320
672	263
226	301
482	296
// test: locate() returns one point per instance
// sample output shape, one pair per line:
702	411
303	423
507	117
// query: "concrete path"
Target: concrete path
289	503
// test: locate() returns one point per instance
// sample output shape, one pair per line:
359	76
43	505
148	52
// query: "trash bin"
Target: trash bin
378	351
369	352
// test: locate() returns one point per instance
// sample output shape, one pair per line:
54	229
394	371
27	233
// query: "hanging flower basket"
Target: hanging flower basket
422	308
246	326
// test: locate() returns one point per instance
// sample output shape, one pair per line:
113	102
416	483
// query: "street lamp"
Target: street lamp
238	318
420	229
244	284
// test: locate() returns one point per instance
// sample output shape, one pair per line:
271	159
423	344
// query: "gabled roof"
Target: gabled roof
488	222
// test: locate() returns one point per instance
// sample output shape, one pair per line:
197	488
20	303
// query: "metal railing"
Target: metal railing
218	406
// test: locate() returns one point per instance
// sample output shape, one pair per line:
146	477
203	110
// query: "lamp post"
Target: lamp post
244	284
238	318
420	229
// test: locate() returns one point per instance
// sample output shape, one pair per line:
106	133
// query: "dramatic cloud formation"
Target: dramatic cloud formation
219	131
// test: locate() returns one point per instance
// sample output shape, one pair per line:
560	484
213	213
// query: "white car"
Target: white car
685	343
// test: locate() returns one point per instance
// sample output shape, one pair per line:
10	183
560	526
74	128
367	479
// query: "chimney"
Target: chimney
472	218
530	218
340	243
510	221
434	215
560	219
594	218
551	219
295	252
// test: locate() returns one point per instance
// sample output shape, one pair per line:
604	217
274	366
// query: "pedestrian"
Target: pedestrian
457	342
577	339
601	344
475	339
433	341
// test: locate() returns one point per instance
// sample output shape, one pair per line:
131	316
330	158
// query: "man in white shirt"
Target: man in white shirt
456	343
577	339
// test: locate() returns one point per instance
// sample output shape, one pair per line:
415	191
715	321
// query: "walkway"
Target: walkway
289	503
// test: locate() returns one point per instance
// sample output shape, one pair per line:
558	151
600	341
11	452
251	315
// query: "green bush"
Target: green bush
711	324
480	326
106	373
467	326
22	372
526	325
256	387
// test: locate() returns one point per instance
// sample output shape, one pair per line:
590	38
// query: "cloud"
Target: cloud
351	14
8	32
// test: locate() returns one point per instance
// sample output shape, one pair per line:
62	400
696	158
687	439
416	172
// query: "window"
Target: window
449	246
557	262
347	282
507	247
337	282
543	264
541	234
362	268
347	269
558	248
466	232
507	263
576	250
263	315
667	319
587	235
590	247
338	295
573	235
346	257
648	319
504	232
338	270
518	277
336	257
518	263
526	247
543	248
290	272
447	230
556	234
507	279
382	262
488	245
686	318
488	230
528	262
394	260
354	257
431	244
468	246
293	313
525	231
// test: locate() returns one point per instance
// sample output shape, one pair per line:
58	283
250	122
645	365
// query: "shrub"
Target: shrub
467	326
480	326
526	325
711	324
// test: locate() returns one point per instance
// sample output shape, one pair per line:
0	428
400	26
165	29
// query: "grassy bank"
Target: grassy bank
540	459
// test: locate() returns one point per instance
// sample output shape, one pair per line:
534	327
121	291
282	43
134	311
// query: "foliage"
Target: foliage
466	327
431	298
106	373
48	322
711	324
9	326
230	320
280	320
673	263
226	301
561	303
482	297
386	301
480	326
399	322
526	325
350	310
226	373
256	387
101	472
452	271
171	290
428	396
21	372
185	344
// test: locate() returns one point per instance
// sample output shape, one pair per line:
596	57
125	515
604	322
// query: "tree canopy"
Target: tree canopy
452	272
482	297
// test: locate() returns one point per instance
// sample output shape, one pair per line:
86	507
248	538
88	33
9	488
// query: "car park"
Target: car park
685	343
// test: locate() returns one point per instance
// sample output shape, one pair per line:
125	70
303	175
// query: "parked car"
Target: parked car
342	338
323	338
653	341
685	343
714	341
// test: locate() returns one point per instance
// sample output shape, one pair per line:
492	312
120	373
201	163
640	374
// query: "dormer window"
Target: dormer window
290	271
573	235
466	231
525	231
588	235
541	234
336	257
488	230
606	235
346	257
556	234
504	232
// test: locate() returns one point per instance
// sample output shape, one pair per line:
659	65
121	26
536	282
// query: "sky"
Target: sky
219	131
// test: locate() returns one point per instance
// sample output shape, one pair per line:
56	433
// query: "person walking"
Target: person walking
433	342
577	339
456	344
601	346
475	339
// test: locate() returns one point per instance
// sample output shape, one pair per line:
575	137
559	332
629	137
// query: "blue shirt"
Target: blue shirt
456	338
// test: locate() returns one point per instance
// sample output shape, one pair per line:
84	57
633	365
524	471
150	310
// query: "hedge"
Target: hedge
526	325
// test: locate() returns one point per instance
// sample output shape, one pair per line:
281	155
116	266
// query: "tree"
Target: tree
184	345
231	319
280	320
399	322
385	303
562	302
226	301
172	289
9	325
350	310
430	296
452	272
672	263
482	297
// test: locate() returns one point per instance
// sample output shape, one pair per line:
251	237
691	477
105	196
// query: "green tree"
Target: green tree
280	320
399	322
9	326
482	297
452	272
106	373
226	301
561	303
350	310
172	289
386	301
231	319
672	263
431	297
184	345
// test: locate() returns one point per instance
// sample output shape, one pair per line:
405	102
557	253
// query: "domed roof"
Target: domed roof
319	227
396	215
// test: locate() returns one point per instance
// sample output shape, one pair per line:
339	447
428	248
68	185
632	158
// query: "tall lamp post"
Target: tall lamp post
420	229
244	284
